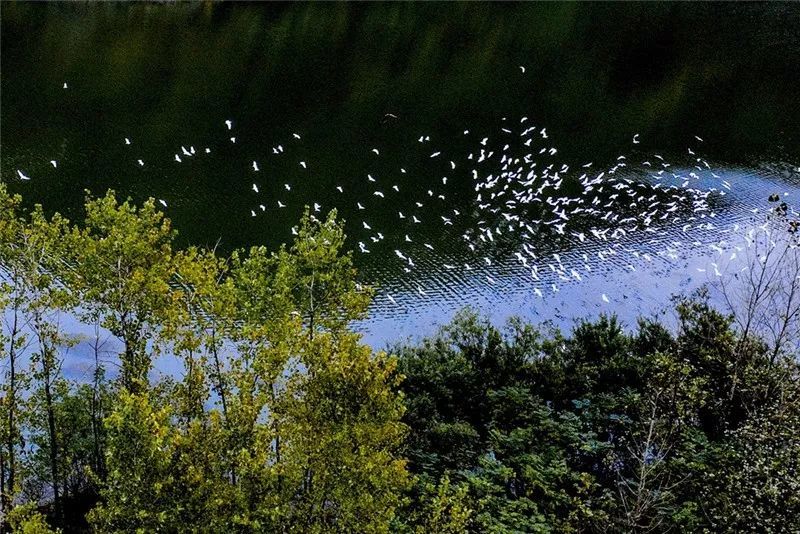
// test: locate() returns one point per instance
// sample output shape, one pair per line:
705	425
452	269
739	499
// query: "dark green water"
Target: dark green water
169	75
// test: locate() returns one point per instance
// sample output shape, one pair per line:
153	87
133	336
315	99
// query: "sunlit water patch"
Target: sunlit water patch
636	277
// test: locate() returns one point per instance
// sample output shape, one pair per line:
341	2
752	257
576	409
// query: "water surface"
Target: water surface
350	78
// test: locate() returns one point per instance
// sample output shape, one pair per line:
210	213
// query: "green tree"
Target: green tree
14	341
25	519
294	432
342	433
754	485
124	264
39	260
138	491
443	507
323	280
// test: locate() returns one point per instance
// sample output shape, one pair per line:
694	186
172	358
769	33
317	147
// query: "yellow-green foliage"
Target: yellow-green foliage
26	519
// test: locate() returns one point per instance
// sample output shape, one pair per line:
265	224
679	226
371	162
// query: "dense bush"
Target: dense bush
605	430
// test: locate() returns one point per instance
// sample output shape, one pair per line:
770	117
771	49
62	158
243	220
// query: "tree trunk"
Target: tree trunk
11	399
2	483
97	410
51	426
222	390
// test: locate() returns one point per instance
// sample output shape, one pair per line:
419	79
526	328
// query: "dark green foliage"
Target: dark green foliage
605	429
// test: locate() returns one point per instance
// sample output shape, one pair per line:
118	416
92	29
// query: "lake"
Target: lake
454	138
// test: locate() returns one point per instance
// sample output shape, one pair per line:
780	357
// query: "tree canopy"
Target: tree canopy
279	418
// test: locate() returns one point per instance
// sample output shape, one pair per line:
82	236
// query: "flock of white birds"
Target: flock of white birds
523	205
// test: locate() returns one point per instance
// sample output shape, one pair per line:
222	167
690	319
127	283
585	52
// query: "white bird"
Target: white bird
604	297
408	239
339	188
229	124
54	163
435	154
163	203
255	188
233	140
316	206
522	68
281	204
22	175
366	226
636	139
303	164
177	158
255	166
263	207
141	163
376	151
378	194
391	299
296	136
127	141
698	138
208	150
287	187
360	206
65	85
252	213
